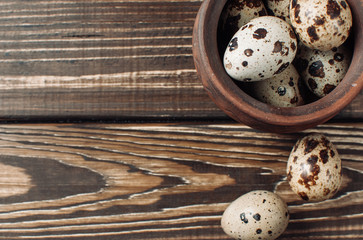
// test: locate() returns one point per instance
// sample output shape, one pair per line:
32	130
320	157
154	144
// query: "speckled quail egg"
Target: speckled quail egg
314	168
321	24
279	8
262	48
256	215
237	13
322	71
282	90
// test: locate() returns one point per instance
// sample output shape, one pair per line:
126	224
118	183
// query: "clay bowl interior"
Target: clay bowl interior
243	108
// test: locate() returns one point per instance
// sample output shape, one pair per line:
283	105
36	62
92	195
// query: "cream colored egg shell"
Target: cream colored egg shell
321	24
314	168
322	71
281	90
256	215
279	8
262	48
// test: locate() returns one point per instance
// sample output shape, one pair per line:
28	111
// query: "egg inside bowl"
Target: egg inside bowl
237	101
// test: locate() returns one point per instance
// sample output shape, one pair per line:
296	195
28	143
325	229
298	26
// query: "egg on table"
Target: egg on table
322	71
260	49
314	168
321	24
282	90
256	215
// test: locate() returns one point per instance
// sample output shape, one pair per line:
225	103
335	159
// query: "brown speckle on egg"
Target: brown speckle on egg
253	3
257	217
312	34
325	141
292	34
316	69
326	191
324	155
277	47
248	52
328	88
343	4
282	68
281	91
341	22
296	8
338	57
310	145
304	196
243	218
289	176
260	33
293	46
291	82
233	44
333	9
294	100
319	20
312	83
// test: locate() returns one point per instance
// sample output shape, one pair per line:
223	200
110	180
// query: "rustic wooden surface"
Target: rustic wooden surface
111	59
122	59
161	181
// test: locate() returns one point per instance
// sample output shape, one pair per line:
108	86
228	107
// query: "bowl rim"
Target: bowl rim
244	108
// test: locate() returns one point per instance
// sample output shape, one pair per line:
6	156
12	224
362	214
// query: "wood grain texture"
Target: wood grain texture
103	59
161	181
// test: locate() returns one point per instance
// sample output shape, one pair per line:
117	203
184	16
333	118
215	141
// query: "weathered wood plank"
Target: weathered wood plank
161	181
103	59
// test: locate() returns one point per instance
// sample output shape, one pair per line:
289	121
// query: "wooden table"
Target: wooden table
107	133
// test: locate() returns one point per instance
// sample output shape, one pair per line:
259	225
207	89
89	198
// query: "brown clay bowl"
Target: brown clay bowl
245	109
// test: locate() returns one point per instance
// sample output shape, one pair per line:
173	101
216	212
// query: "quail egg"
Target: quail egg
282	90
321	24
256	215
261	49
314	168
322	71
